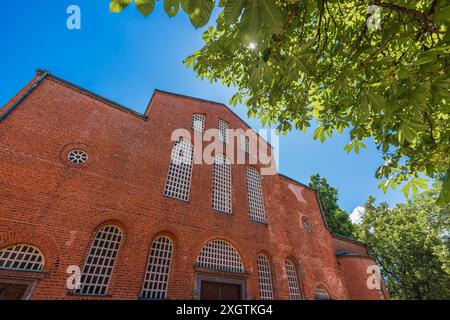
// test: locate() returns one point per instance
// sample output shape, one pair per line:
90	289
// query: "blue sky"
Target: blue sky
124	57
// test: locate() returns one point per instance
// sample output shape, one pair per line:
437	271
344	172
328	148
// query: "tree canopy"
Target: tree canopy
337	219
375	69
411	243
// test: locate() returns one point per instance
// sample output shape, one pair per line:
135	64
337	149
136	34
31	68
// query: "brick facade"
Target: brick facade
57	206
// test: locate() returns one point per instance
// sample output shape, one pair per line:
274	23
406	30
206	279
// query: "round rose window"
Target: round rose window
77	156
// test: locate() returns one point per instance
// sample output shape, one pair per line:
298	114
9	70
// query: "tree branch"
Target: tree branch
418	15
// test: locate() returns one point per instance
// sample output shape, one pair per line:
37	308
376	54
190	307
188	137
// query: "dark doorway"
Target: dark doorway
220	291
12	291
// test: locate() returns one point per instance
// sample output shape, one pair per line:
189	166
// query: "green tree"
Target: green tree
338	220
411	243
378	68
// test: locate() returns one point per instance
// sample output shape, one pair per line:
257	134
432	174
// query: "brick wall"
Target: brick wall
56	206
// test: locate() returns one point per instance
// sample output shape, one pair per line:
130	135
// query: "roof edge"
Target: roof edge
341	237
207	101
92	94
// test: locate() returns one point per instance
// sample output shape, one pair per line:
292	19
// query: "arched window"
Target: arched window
294	287
322	293
21	257
100	261
221	197
220	255
178	183
198	122
255	196
158	269
265	278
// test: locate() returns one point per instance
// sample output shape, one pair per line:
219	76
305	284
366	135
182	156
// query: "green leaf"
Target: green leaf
406	189
355	144
444	196
407	132
250	22
232	10
118	5
424	58
145	6
318	133
377	101
171	7
199	11
404	73
384	185
271	15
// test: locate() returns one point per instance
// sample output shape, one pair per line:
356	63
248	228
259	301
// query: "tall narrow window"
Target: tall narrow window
244	142
223	131
322	293
178	183
100	261
265	278
294	287
220	255
255	196
198	122
158	269
21	257
221	197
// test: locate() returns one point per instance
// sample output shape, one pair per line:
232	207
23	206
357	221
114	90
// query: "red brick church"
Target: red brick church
94	205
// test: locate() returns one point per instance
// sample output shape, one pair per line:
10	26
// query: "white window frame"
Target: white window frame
255	196
264	277
198	122
78	156
179	174
293	281
100	261
157	274
244	143
222	131
22	257
220	255
322	293
222	185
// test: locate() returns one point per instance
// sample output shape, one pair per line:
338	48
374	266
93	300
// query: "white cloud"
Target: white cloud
356	215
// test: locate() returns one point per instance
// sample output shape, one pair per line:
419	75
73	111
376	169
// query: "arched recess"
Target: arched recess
26	256
322	293
220	272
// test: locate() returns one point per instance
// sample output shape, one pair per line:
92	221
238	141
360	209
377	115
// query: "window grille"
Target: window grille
255	196
244	143
294	287
307	224
223	134
178	182
322	293
198	122
21	257
158	269
77	156
221	197
265	278
220	255
100	261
